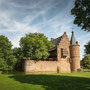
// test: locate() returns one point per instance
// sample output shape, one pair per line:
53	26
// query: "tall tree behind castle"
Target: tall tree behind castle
81	11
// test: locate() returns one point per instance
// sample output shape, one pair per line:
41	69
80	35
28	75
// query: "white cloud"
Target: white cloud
32	4
18	29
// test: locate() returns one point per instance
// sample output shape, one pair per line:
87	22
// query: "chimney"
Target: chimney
52	39
64	32
77	42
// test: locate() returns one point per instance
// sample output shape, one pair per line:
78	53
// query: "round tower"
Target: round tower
74	53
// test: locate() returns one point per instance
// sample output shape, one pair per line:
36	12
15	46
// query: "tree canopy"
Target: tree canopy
81	11
5	47
86	62
35	46
7	59
17	52
87	48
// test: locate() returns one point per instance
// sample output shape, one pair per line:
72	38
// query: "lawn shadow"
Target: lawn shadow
55	82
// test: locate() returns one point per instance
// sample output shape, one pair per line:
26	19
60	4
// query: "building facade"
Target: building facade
66	55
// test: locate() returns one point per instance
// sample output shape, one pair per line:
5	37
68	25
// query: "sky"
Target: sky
51	17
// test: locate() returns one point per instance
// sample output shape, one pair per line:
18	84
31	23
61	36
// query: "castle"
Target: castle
66	54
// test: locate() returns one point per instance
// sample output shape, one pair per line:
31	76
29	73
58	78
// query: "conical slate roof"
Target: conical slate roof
73	39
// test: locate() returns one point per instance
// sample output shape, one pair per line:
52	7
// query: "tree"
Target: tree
81	11
87	48
86	62
7	59
5	47
86	59
35	46
17	52
11	62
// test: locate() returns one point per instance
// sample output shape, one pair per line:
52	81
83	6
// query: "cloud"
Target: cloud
31	4
51	17
13	29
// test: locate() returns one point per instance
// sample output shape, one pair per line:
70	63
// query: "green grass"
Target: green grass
69	81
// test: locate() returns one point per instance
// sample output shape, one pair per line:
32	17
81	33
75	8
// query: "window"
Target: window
64	52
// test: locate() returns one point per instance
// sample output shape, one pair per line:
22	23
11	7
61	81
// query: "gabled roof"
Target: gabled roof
55	42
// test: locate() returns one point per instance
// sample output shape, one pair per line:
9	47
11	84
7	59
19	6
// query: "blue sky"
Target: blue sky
51	17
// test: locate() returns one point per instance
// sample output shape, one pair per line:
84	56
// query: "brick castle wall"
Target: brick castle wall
52	66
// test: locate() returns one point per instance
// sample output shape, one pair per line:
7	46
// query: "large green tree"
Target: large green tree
35	46
7	59
87	48
17	52
81	11
86	62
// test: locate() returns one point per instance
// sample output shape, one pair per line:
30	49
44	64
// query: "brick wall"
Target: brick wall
64	44
64	61
75	57
52	66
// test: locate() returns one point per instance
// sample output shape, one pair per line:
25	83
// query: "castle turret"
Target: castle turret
74	53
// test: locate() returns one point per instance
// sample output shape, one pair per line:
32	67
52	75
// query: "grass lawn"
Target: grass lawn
69	81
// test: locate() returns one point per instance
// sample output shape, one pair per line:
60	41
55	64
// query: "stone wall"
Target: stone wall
48	66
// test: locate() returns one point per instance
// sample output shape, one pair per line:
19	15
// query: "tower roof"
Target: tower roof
73	39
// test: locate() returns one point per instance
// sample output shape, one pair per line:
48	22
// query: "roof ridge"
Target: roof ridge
57	38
